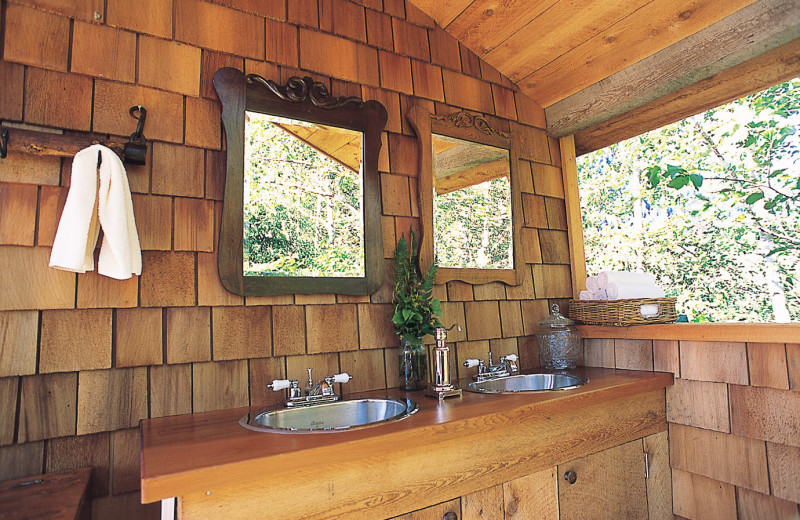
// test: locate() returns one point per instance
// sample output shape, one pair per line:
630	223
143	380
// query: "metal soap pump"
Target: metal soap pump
441	387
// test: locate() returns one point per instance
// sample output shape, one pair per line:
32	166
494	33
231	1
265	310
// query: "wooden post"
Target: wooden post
577	255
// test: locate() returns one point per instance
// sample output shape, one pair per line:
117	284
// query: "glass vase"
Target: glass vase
413	364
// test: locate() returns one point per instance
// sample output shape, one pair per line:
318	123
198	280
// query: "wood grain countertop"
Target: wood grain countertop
196	453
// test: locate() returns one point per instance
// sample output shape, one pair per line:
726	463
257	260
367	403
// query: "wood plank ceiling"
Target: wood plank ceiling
588	62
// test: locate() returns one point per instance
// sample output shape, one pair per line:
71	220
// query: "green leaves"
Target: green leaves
754	197
416	310
654	175
677	175
679	182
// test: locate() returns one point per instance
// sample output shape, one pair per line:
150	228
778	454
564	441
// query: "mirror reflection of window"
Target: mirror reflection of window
471	205
303	199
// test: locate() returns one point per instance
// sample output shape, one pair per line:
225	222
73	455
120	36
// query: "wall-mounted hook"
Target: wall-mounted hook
135	150
3	144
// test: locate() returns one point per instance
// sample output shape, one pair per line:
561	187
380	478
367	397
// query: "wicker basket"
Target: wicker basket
622	313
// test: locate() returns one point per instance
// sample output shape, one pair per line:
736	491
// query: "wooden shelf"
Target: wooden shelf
739	332
57	496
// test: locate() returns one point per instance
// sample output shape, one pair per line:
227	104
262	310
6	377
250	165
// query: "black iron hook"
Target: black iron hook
4	144
138	136
135	150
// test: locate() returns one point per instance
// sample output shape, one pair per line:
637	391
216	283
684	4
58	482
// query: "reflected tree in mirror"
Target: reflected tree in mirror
302	199
471	205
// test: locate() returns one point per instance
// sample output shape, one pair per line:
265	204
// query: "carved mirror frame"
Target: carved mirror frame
307	100
468	127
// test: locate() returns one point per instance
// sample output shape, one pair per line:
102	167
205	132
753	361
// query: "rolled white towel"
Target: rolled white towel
592	284
585	295
599	294
605	278
624	291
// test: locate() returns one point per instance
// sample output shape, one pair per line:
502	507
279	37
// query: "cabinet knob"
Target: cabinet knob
570	476
450	516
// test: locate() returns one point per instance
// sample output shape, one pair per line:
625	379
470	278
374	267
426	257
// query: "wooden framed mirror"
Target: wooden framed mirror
301	211
470	201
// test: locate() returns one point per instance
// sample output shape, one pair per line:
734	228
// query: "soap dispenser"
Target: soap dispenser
442	387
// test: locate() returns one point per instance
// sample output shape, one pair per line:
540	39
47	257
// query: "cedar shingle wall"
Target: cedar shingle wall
734	415
84	357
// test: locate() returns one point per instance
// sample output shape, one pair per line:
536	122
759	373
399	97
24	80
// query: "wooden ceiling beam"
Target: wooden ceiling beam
750	32
764	71
642	33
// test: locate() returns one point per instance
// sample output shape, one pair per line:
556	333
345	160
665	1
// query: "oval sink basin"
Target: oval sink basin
526	383
338	416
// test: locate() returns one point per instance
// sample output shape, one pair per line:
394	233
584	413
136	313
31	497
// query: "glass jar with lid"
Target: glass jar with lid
559	342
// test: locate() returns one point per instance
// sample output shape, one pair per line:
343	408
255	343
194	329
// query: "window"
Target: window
710	205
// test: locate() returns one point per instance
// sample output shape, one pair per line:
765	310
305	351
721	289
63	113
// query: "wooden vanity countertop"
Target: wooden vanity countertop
199	452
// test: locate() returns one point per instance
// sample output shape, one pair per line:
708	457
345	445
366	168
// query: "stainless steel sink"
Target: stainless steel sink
525	383
338	416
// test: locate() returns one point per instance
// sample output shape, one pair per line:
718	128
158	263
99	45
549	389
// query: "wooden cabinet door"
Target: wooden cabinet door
659	476
437	512
609	484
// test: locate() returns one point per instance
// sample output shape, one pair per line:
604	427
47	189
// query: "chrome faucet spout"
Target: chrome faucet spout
506	367
322	392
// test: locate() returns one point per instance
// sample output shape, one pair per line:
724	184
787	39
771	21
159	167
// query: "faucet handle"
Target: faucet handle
279	384
510	357
344	377
472	363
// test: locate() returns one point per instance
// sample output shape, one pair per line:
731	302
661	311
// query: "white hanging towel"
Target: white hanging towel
87	206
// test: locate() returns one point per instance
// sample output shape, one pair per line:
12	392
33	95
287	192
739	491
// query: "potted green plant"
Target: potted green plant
416	312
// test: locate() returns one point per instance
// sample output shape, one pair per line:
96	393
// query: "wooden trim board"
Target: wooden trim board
572	200
740	332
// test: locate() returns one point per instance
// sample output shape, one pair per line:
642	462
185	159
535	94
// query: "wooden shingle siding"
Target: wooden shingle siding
46	47
729	458
125	458
96	291
138	337
703	404
241	332
698	497
58	99
733	435
111	399
164	110
152	17
48	406
170	390
103	52
17	214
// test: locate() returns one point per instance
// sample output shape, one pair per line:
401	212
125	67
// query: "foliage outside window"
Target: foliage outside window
473	226
302	208
710	204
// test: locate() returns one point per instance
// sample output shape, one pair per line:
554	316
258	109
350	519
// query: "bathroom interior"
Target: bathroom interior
130	390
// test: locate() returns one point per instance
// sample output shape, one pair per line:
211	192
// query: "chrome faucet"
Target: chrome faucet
323	392
506	367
